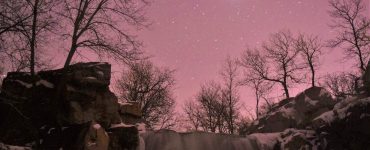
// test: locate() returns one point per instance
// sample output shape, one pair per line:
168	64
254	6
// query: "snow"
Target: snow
340	110
327	117
96	126
324	92
91	78
124	103
63	128
40	82
27	85
120	125
364	115
51	129
100	73
45	83
11	147
310	101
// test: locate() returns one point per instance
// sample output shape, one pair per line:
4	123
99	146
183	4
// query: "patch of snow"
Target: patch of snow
261	127
51	129
327	117
100	73
120	125
91	143
27	85
12	147
124	103
310	101
96	126
63	128
45	83
91	78
340	110
364	115
323	92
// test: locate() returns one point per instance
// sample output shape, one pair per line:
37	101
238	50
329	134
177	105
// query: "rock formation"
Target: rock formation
69	109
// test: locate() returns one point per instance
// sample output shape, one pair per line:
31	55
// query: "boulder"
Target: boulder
130	112
60	108
296	112
123	137
347	125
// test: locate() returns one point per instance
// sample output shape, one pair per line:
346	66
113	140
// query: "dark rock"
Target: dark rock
296	112
123	138
130	112
60	111
347	125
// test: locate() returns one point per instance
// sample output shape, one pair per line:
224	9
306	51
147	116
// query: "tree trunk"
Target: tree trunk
33	38
286	90
312	75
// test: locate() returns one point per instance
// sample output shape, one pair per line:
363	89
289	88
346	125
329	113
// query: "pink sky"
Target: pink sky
195	36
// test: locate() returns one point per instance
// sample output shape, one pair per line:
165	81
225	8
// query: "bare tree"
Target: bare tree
352	28
152	88
24	24
208	111
192	112
341	85
261	89
277	65
230	95
12	15
98	25
310	49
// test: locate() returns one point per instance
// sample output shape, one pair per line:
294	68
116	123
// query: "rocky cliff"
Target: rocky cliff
69	109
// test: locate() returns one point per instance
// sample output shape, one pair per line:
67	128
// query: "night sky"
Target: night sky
195	36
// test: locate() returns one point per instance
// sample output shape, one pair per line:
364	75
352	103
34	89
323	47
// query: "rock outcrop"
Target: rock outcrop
295	112
69	109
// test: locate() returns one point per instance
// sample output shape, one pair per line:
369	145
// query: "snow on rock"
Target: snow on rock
120	125
45	83
299	139
96	126
296	112
340	110
11	147
27	85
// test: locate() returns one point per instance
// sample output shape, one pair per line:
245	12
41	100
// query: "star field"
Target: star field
195	36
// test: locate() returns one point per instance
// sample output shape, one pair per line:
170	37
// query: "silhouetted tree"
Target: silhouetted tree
310	49
352	28
229	74
152	88
261	89
341	85
193	114
23	27
100	26
277	64
208	111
